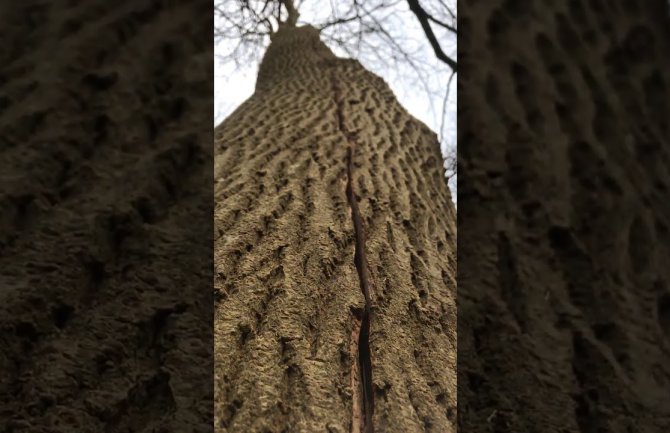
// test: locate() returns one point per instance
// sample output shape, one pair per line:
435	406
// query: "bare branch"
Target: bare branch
424	20
444	105
442	24
339	21
293	14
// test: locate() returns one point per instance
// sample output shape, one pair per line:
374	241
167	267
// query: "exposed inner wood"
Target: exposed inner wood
360	261
364	336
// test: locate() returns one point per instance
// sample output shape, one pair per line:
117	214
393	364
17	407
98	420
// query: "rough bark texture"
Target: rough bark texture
104	306
564	155
326	189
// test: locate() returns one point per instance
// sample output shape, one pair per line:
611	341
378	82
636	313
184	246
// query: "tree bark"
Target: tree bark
563	295
105	156
332	215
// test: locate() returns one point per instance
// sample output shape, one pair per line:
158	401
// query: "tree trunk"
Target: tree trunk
105	156
332	216
563	298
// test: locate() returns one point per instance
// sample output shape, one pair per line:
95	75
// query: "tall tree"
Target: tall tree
334	254
410	43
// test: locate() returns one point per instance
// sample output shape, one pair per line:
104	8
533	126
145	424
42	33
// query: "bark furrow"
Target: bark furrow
360	261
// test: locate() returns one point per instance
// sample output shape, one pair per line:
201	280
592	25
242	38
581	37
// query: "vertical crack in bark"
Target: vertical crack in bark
364	358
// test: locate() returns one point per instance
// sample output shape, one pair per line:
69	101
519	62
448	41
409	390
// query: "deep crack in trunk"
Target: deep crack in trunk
364	358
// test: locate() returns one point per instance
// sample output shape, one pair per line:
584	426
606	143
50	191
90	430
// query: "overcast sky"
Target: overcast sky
424	100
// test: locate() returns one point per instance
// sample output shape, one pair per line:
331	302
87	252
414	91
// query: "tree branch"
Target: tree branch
424	20
442	23
293	14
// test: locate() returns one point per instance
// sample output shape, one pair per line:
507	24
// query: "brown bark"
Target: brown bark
304	235
105	149
563	191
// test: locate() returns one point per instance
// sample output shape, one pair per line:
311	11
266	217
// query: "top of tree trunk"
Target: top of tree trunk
291	49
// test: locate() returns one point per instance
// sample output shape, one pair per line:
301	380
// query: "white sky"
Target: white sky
233	84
